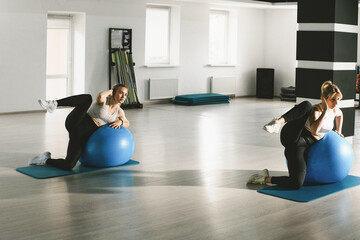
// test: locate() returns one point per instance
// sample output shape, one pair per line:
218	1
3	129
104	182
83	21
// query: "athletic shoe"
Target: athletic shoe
273	126
40	159
258	178
49	105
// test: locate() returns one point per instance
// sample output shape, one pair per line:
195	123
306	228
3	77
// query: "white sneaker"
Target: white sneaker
49	105
273	126
258	178
40	159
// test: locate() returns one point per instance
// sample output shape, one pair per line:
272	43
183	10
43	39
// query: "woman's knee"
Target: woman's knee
297	179
87	99
306	105
69	165
84	101
296	184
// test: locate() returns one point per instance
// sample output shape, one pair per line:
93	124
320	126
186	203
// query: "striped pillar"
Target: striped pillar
327	50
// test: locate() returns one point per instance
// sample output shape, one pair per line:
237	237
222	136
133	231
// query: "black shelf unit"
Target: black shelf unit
121	39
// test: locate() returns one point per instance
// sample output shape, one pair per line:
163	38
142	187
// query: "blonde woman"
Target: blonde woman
304	125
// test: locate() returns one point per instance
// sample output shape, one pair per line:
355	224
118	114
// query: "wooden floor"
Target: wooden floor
190	184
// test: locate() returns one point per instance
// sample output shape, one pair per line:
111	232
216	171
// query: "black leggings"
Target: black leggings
80	127
296	140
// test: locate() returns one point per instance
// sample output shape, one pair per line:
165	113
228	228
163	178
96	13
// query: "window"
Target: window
58	59
222	37
162	35
157	34
219	21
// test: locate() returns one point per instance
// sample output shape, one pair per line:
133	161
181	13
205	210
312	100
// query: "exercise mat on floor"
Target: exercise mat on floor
309	193
201	99
46	171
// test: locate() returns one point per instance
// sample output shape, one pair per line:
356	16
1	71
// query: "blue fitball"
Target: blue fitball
108	147
329	160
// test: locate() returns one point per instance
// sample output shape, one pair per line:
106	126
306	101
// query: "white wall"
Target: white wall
78	71
193	72
22	57
280	46
23	47
251	49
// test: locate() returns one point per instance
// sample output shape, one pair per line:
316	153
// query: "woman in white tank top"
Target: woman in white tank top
82	122
305	125
321	120
107	108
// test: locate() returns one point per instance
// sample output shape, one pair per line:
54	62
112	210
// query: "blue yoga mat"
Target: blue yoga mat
46	171
311	192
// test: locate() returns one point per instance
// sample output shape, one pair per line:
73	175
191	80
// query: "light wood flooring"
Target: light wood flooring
190	184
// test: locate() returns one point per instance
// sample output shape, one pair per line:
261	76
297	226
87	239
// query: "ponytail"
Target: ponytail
328	89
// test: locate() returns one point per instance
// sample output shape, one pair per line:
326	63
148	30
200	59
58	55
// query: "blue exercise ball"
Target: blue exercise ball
108	147
329	160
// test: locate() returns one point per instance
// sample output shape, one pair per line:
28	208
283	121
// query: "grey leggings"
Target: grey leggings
296	140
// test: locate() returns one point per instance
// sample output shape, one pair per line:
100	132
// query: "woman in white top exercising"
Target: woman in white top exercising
82	122
305	125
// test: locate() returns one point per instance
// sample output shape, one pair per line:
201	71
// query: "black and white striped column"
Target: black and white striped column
327	50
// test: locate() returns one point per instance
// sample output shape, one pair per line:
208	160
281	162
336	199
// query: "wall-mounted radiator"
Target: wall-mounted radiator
163	88
223	85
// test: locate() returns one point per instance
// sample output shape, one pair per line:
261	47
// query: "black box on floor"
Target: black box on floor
265	82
